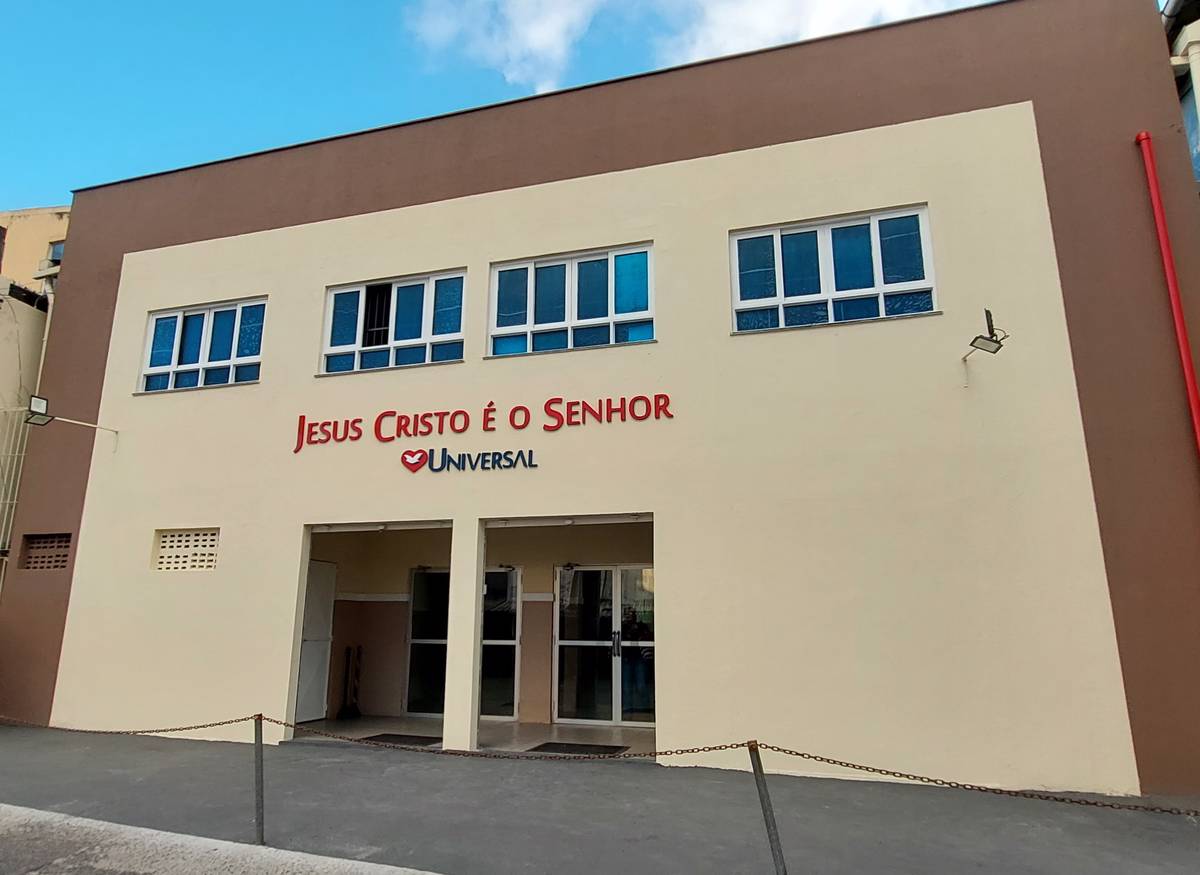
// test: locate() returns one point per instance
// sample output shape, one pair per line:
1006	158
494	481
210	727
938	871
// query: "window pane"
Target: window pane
629	332
637	684
595	335
585	601
512	297
335	364
550	340
162	347
427	678
447	352
499	606
216	376
220	345
631	275
375	314
430	604
801	266
250	330
756	267
852	264
411	355
447	305
806	314
908	302
549	294
157	382
375	358
345	319
410	312
246	373
189	340
637	604
855	308
511	345
754	320
592	278
186	379
497	680
900	245
585	683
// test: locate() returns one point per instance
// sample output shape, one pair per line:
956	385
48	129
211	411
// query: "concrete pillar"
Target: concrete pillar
463	649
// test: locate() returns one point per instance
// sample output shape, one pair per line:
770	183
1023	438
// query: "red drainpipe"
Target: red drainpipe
1168	259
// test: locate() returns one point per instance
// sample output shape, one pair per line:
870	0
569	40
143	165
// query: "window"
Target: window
186	549
204	346
859	268
395	323
594	299
56	252
46	552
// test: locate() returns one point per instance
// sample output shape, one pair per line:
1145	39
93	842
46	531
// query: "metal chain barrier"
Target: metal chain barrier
14	721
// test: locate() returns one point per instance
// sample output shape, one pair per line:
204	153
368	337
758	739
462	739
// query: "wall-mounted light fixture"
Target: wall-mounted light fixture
992	342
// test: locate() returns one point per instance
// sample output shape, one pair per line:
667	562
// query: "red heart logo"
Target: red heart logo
414	460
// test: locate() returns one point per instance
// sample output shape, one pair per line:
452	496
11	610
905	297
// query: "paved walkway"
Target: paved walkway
57	844
469	816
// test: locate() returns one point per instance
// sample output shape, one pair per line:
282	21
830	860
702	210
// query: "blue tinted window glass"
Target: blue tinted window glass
189	340
900	249
186	379
447	352
756	268
250	330
852	264
754	320
216	376
511	345
806	314
410	355
1191	126
512	297
801	266
908	302
410	312
246	373
345	319
550	340
855	308
631	332
162	347
447	305
157	382
549	294
596	335
592	278
376	358
631	275
337	363
220	345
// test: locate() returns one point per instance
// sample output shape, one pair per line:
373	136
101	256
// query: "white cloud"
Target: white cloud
530	42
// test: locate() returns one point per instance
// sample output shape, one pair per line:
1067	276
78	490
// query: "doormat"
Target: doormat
567	747
411	740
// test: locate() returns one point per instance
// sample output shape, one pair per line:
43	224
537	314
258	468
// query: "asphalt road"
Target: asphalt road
469	816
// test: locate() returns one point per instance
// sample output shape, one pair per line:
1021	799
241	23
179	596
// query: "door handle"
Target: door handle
616	644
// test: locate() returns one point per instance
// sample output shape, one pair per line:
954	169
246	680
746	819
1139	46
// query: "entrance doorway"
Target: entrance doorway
604	645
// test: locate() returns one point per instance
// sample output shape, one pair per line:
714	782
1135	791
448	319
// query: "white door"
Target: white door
316	640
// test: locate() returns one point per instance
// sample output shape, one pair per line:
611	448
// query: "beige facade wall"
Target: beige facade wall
854	553
27	238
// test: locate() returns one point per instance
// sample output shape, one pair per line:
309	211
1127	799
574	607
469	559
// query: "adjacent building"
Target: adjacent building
642	414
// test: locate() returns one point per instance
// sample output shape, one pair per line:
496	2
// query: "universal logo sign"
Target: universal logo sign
392	425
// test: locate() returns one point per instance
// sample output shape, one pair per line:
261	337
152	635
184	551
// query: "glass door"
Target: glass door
428	612
605	665
498	668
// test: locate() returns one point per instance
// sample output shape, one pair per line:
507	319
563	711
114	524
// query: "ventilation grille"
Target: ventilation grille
185	549
46	552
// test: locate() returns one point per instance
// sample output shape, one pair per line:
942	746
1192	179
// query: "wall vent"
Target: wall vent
185	549
46	552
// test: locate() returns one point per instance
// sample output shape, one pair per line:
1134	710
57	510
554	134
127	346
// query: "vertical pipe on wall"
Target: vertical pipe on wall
1168	259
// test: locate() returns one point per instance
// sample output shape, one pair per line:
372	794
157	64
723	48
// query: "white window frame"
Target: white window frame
427	338
203	364
829	292
571	320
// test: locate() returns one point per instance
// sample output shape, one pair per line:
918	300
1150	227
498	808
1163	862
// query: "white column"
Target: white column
463	649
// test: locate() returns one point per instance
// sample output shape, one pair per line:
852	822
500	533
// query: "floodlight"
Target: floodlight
37	415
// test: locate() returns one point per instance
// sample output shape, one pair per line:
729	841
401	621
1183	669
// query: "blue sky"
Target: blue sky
132	87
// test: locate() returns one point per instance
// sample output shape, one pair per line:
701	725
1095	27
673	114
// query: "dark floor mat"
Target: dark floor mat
395	738
567	747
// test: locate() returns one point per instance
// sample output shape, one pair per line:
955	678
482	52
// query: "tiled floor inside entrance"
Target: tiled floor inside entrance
493	734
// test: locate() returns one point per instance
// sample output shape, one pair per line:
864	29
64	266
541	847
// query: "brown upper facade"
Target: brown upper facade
1096	73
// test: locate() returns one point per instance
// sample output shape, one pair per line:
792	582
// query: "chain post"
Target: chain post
768	811
258	779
